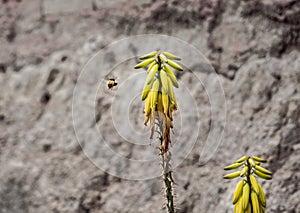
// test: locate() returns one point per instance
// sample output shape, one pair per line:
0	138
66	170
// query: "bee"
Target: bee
111	83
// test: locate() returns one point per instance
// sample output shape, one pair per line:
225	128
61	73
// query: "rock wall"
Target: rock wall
254	48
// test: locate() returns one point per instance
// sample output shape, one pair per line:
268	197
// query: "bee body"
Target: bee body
111	83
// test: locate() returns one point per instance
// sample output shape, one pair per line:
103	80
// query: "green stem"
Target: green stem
168	181
167	176
248	180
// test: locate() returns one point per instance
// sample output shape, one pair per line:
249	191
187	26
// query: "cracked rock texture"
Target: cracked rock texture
253	46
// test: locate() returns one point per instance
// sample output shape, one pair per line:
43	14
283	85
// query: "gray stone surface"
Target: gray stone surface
66	6
254	47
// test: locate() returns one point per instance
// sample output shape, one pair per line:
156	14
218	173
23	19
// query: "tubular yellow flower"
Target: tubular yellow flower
171	75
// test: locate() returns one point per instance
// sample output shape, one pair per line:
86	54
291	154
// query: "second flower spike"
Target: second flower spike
248	196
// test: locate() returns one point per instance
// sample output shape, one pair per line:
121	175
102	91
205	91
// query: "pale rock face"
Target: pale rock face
254	47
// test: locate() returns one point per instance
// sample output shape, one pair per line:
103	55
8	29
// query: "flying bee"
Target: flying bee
111	83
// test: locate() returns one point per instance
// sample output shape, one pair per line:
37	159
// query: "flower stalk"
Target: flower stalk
160	103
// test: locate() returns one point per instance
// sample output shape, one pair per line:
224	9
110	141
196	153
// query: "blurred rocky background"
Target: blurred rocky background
252	44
